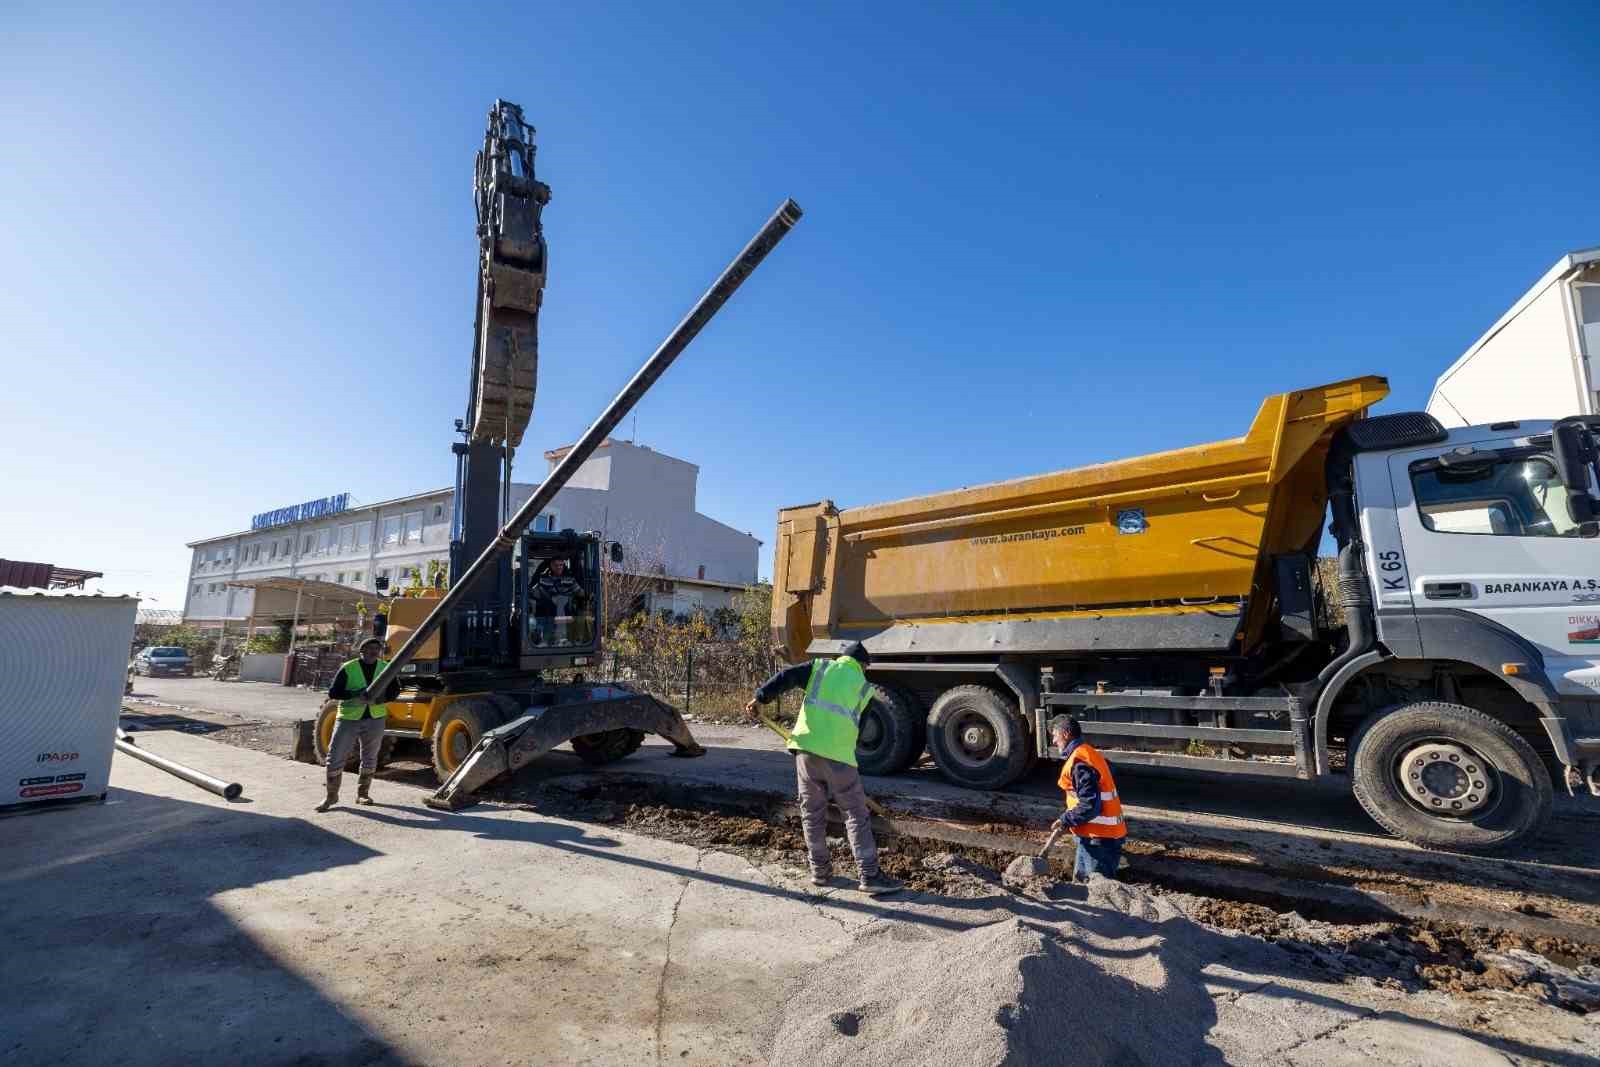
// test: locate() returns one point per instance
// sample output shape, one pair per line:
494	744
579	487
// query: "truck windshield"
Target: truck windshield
1511	496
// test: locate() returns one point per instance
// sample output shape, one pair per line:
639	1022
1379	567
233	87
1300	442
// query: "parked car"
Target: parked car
163	660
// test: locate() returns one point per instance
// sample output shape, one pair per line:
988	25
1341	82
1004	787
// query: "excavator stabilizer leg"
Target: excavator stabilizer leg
579	711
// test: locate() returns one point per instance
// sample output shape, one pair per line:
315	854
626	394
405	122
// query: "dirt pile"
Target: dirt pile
1004	993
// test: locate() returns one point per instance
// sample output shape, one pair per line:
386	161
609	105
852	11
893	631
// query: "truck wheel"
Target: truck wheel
1449	777
889	739
458	731
976	738
608	746
323	735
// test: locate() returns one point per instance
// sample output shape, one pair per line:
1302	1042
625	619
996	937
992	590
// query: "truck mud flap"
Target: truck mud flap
513	746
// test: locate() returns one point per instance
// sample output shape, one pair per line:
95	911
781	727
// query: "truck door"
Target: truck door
1493	537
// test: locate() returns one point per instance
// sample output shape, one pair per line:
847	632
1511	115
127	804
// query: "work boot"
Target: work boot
332	798
364	789
821	877
878	884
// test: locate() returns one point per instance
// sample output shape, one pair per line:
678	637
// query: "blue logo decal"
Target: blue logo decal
1132	521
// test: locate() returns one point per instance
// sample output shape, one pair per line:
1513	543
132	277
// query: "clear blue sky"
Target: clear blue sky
238	251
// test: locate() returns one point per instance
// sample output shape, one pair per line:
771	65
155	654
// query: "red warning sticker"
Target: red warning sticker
59	789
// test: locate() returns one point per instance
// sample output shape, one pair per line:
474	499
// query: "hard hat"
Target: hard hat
370	639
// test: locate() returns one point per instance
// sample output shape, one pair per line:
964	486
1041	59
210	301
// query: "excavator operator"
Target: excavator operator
557	597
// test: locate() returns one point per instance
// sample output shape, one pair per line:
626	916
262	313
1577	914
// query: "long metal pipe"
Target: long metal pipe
230	790
777	227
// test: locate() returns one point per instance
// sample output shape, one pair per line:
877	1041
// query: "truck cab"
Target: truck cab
1482	553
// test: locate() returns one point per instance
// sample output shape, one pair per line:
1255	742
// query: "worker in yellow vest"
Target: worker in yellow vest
1094	810
361	720
823	743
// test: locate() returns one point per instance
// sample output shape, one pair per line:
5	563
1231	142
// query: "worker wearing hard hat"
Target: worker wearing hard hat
361	720
1094	811
823	744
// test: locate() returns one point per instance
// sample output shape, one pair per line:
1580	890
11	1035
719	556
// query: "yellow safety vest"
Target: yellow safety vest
355	681
830	717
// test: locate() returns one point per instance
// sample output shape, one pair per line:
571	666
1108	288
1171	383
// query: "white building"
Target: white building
630	493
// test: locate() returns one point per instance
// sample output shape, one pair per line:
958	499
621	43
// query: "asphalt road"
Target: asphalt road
254	701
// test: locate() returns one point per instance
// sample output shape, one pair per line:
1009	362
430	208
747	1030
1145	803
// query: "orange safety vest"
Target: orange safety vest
1109	822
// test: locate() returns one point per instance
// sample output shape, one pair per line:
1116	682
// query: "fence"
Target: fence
710	681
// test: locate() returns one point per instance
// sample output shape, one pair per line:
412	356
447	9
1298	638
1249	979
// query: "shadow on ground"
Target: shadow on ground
114	950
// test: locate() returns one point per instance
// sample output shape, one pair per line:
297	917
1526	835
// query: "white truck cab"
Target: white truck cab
1481	549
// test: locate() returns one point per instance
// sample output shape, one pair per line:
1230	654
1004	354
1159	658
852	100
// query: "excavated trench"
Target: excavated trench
1341	935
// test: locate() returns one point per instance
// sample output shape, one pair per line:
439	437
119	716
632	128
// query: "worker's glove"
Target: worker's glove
359	698
752	710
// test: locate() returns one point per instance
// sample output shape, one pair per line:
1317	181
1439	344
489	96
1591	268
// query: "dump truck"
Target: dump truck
1541	359
1443	666
493	662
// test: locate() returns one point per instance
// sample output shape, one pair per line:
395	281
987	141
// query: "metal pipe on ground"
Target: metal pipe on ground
227	790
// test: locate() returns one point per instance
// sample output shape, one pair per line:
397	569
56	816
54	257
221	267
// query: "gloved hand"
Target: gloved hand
752	710
1055	835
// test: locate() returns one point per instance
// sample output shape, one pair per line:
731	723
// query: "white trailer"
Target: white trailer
1541	360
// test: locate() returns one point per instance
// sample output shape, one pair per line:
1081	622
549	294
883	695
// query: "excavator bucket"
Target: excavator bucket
607	717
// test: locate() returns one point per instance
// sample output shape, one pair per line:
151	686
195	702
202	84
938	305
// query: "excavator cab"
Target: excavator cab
559	598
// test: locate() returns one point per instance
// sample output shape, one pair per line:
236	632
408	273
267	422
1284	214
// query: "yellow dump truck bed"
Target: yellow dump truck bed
1171	549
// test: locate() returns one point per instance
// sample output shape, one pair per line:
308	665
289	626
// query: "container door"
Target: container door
1495	538
1587	299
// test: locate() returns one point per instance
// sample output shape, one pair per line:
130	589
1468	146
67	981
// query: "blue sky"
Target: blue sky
238	251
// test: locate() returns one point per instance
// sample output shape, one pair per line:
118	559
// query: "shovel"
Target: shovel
1038	865
872	805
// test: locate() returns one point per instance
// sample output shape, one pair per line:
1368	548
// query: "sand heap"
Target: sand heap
1091	985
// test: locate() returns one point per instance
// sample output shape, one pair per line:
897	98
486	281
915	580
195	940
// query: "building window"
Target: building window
274	553
702	573
288	546
391	531
340	578
305	549
438	511
383	573
196	588
413	533
363	536
355	579
326	539
347	539
547	521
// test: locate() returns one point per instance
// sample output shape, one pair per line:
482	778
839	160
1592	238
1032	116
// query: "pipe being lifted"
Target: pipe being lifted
777	227
229	790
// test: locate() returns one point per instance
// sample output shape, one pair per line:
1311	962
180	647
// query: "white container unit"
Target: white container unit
1540	361
63	666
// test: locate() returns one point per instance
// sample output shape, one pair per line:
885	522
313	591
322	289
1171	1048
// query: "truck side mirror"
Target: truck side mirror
1578	462
616	552
380	583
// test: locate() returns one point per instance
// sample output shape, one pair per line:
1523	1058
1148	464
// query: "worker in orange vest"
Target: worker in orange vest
1094	811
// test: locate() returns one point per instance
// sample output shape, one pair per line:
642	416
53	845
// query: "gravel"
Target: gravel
1105	986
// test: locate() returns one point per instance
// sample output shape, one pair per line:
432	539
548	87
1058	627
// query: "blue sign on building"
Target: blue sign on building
311	509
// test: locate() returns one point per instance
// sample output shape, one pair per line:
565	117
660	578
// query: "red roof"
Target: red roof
23	575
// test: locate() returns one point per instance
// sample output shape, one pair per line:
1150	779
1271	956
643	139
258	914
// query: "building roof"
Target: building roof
554	454
23	575
323	518
158	617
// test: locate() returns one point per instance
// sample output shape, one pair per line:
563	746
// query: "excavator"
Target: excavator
471	655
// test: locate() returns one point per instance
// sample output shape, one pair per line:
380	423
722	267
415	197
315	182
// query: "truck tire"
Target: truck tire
324	733
461	725
608	746
977	738
891	732
1449	777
